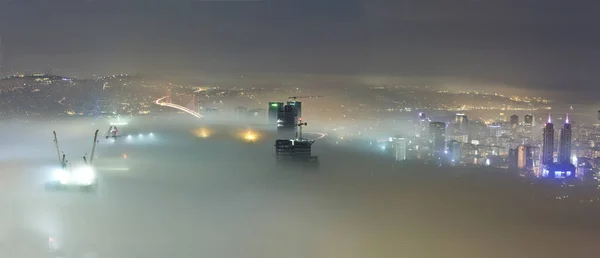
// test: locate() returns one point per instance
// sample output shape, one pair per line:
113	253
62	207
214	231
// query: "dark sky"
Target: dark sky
534	43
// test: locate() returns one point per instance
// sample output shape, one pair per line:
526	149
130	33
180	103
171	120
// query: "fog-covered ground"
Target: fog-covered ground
180	195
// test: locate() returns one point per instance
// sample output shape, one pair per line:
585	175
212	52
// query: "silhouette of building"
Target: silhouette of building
528	120
514	121
513	158
437	137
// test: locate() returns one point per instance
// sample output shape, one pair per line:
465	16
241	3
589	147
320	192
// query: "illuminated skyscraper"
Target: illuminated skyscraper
287	119
423	124
564	152
274	108
524	157
548	143
437	136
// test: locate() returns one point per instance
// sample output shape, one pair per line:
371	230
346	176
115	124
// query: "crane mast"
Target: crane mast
93	147
61	161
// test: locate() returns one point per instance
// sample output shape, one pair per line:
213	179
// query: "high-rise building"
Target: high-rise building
423	124
287	119
454	152
462	122
272	112
514	121
548	143
437	136
524	157
400	146
513	158
564	152
297	106
528	120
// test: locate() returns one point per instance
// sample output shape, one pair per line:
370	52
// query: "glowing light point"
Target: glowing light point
567	119
549	118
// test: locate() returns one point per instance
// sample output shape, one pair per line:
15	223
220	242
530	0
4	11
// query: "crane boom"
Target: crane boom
57	149
304	97
94	147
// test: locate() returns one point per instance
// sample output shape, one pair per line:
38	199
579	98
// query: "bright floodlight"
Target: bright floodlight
250	136
61	176
84	175
202	132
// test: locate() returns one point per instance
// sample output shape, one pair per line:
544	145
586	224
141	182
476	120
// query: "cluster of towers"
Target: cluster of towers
562	167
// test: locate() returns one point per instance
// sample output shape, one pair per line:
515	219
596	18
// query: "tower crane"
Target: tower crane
304	97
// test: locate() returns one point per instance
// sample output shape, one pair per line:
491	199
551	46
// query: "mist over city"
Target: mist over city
377	129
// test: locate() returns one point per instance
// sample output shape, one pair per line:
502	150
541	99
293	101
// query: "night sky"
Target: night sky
531	43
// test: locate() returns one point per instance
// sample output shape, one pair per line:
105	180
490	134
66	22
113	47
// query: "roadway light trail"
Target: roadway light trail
320	135
184	109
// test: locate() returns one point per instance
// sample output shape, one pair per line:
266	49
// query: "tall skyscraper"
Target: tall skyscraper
400	146
454	151
462	122
524	157
423	124
274	108
297	106
513	158
564	152
437	136
548	143
528	120
514	121
287	119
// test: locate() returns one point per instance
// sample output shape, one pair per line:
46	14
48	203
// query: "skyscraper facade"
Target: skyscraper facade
454	151
422	126
513	158
564	152
462	122
297	106
437	136
548	143
272	112
287	119
528	120
524	157
400	146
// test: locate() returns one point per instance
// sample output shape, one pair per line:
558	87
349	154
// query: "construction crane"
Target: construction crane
299	132
82	175
304	97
